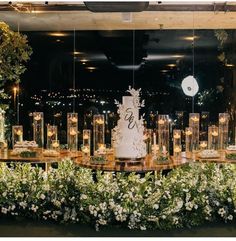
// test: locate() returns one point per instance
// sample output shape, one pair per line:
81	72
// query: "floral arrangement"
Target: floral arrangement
231	156
188	196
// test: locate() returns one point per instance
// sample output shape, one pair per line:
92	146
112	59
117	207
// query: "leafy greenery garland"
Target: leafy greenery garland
188	196
14	53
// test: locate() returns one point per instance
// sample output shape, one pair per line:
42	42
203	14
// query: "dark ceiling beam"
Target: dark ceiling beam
30	7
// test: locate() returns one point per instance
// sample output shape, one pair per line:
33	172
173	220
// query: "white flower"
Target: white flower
189	206
23	204
57	203
83	196
221	212
42	196
34	208
230	217
229	199
61	186
179	204
155	206
4	210
175	220
143	228
4	194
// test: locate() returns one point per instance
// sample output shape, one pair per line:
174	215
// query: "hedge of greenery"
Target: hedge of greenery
188	196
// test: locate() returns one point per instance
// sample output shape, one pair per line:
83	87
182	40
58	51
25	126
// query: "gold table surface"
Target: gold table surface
6	156
147	164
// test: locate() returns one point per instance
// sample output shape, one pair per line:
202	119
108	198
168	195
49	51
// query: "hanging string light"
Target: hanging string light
18	90
133	77
74	51
189	84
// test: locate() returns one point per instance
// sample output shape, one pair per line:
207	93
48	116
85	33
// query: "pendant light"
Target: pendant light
189	84
74	51
133	77
18	90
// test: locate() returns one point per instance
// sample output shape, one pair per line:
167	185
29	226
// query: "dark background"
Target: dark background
161	59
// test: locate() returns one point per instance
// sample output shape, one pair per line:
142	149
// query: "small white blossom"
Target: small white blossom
143	228
4	210
23	204
155	206
83	196
221	212
42	196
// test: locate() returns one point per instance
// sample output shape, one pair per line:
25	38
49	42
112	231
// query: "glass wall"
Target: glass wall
107	62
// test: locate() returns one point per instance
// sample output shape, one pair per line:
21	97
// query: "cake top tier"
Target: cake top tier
133	100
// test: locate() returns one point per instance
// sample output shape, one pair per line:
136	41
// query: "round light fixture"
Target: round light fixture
190	86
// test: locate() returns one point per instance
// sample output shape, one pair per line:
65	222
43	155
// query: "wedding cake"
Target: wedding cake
128	135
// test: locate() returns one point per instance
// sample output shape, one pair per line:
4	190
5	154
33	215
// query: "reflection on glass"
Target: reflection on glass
17	134
38	128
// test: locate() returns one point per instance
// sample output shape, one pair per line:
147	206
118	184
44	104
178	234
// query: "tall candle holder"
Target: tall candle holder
2	125
98	134
86	142
112	138
38	128
17	134
223	130
51	135
72	131
148	140
235	136
188	141
204	124
213	137
163	134
177	148
194	124
203	145
55	145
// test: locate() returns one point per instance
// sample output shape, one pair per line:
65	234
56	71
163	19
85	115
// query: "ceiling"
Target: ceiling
60	16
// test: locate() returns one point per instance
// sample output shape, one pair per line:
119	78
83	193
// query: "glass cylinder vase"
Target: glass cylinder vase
177	148
194	124
223	130
213	137
38	128
72	131
17	134
98	134
86	142
51	135
188	141
55	145
203	145
163	134
148	140
2	125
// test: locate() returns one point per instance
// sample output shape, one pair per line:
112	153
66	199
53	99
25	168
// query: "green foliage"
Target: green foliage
14	53
188	196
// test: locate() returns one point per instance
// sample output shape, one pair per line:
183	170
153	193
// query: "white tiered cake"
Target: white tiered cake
128	135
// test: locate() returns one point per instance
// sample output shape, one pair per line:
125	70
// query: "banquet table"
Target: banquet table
40	158
111	164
